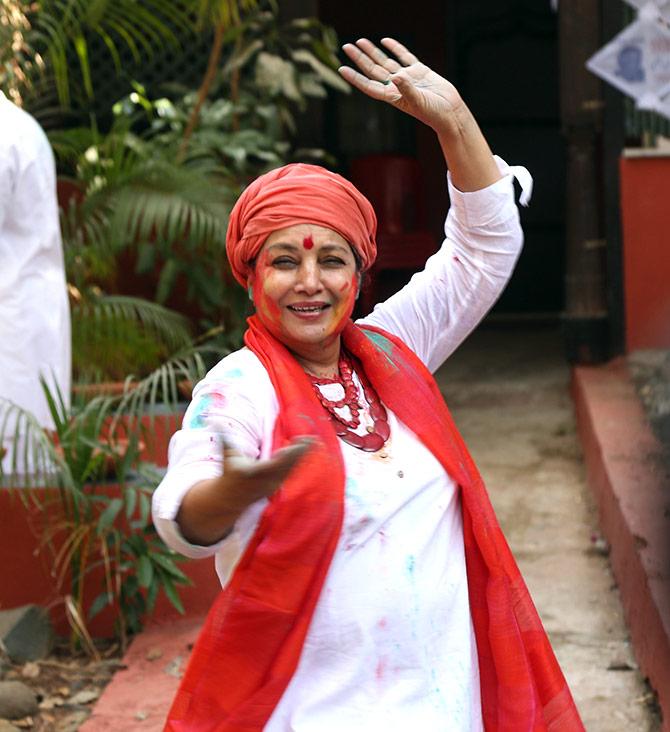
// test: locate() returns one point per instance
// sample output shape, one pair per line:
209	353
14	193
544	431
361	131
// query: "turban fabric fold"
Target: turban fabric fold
298	194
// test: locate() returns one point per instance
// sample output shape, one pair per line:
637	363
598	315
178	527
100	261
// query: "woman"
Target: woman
367	585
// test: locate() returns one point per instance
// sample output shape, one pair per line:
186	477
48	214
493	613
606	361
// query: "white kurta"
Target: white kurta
391	644
34	312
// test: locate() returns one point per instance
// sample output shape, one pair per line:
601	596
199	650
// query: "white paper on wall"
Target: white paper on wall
649	9
637	62
660	104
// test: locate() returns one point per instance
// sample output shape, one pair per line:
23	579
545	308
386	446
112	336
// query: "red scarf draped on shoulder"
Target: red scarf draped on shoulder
251	642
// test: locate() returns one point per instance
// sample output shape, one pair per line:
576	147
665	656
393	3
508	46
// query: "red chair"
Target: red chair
393	185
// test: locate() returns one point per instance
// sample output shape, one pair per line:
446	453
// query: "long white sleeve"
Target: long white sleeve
442	304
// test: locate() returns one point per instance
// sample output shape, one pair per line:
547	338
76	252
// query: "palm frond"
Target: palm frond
61	27
226	13
163	201
170	328
32	459
160	390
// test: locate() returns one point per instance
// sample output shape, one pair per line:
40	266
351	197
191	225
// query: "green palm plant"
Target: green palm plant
130	194
95	508
47	34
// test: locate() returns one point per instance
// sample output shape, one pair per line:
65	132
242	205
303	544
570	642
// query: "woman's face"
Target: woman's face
305	284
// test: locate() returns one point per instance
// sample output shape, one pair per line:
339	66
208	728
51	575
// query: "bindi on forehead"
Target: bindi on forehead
308	242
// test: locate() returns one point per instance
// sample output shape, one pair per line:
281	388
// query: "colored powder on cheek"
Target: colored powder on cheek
308	242
343	310
270	307
265	305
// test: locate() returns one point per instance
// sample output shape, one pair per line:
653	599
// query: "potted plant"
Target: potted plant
86	494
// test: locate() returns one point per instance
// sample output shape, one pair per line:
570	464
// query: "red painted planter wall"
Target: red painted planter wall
26	566
645	214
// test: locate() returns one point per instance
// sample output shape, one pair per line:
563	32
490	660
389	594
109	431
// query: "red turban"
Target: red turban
298	194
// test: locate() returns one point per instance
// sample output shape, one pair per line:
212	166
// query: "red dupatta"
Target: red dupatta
251	641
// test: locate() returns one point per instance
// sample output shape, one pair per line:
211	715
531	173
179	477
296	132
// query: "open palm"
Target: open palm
403	81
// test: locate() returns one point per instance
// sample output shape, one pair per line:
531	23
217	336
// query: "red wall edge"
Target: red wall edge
645	215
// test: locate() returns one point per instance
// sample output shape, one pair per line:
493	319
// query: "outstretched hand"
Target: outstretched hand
211	507
403	81
247	480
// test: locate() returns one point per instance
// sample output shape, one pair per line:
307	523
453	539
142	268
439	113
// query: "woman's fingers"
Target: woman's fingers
385	92
365	63
377	56
285	459
274	470
406	57
378	77
248	479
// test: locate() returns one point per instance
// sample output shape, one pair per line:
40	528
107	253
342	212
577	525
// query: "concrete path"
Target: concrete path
508	392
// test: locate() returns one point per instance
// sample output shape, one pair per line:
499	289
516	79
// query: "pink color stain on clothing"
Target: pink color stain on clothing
381	669
308	242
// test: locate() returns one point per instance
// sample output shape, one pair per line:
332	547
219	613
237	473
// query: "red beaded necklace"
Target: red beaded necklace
379	432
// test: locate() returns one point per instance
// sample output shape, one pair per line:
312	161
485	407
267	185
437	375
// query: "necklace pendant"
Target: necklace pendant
371	443
382	429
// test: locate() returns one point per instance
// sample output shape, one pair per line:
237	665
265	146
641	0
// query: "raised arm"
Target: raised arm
402	81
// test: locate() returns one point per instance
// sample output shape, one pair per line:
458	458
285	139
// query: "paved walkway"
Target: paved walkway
508	392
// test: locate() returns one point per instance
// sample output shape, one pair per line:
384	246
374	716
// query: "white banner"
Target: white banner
637	61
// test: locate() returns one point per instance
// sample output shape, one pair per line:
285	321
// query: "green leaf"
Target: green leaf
166	280
145	571
145	509
172	595
100	603
168	564
108	516
146	256
152	594
131	501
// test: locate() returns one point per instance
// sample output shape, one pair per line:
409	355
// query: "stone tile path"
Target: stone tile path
509	394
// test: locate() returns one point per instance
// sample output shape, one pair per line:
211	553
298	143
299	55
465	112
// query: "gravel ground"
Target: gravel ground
651	374
66	686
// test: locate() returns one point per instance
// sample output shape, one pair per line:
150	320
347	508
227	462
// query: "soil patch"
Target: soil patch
66	684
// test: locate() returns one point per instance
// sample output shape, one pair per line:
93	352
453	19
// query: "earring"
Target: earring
250	293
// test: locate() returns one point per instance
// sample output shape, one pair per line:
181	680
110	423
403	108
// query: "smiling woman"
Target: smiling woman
304	287
366	584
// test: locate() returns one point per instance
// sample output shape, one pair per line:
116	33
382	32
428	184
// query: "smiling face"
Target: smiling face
304	286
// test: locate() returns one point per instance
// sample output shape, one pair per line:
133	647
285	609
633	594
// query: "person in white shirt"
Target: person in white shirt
34	310
366	584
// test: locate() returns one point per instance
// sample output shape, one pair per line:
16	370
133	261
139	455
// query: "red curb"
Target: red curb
627	476
138	697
